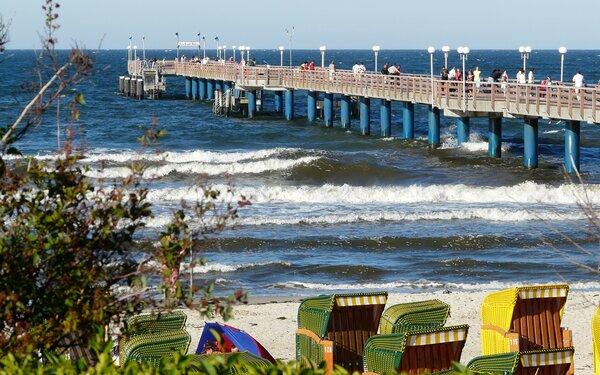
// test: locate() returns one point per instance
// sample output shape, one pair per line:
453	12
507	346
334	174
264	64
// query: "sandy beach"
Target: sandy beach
273	322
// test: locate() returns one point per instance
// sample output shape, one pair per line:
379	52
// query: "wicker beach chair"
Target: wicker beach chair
156	322
335	328
532	362
417	352
76	348
152	347
526	320
412	316
596	340
245	358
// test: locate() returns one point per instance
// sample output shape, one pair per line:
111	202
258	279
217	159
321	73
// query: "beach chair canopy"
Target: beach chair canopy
152	347
545	361
414	353
334	328
524	318
156	322
230	337
412	316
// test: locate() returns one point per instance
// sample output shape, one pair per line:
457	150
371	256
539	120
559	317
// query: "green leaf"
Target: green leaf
79	98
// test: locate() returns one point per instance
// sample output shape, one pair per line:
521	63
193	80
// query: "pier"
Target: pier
458	99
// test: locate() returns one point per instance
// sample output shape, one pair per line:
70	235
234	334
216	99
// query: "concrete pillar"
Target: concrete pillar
251	94
202	89
572	135
278	101
312	105
219	85
328	109
463	129
365	115
495	137
408	121
433	135
385	110
195	88
188	87
530	143
289	105
345	111
210	89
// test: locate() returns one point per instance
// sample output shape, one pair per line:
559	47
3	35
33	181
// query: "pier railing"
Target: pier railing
455	97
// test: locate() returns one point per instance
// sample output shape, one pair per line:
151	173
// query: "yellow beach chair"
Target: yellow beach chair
596	340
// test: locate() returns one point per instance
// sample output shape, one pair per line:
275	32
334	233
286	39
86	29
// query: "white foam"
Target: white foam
475	144
525	193
234	168
226	268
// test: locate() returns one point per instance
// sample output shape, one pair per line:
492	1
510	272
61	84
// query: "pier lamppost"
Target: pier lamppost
242	49
562	51
247	53
290	34
281	55
219	53
177	36
233	48
446	50
199	43
376	52
135	53
525	51
322	49
144	48
225	53
217	46
129	49
431	51
464	53
203	46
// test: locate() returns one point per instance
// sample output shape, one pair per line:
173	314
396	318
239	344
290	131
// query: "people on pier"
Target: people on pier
384	69
578	82
504	80
363	68
356	68
458	76
477	77
530	76
311	66
304	65
394	70
521	77
452	74
331	70
444	74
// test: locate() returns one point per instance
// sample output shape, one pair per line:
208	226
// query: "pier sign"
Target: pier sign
188	44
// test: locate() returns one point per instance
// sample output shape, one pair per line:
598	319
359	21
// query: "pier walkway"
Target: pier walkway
461	100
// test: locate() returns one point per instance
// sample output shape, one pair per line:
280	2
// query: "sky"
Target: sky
337	24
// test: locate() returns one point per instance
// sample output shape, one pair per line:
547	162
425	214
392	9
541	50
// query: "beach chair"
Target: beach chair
76	348
412	316
526	319
156	322
245	358
334	328
152	347
417	352
532	362
596	340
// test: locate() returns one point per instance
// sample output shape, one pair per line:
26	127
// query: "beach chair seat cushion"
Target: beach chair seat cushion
412	316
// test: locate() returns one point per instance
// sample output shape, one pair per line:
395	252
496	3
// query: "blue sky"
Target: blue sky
338	24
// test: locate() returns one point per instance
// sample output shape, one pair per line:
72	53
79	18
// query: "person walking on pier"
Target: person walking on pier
477	77
530	77
331	70
393	70
385	68
578	82
521	78
311	66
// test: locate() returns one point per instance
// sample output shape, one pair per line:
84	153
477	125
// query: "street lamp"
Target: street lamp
219	48
525	51
129	49
464	52
177	36
376	52
290	34
144	48
199	43
247	53
203	46
431	51
135	53
446	50
322	49
233	48
562	51
281	55
225	53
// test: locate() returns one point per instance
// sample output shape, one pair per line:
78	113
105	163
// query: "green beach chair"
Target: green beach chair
152	347
532	362
416	352
405	317
156	322
245	358
334	328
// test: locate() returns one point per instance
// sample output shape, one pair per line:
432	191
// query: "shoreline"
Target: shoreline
273	321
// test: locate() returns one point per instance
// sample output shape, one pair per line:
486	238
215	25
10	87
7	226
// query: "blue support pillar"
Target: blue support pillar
226	86
433	135
385	111
365	116
202	88
408	121
188	87
495	137
312	105
219	85
251	94
530	140
195	85
328	109
463	129
345	111
572	135
289	105
278	101
210	89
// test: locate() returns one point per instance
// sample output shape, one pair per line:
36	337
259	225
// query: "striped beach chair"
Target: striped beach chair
152	347
246	360
412	316
596	340
532	362
334	328
156	322
417	352
525	320
76	348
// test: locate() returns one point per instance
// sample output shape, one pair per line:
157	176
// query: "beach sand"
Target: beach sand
273	321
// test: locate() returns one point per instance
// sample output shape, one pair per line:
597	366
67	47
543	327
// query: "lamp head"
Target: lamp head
376	48
247	48
562	50
466	50
527	49
224	47
460	50
446	49
522	49
242	48
233	47
281	48
431	49
323	48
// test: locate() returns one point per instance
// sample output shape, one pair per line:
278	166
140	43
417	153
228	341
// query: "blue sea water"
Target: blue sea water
334	210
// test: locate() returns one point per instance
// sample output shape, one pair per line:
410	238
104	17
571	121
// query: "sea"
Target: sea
333	210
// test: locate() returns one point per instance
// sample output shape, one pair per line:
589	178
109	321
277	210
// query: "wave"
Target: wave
525	193
476	143
226	268
235	168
